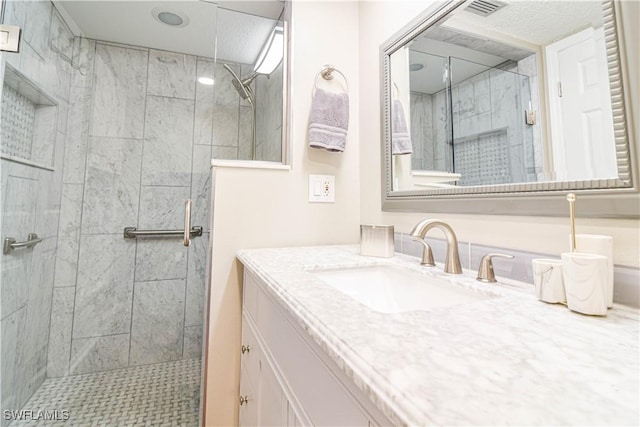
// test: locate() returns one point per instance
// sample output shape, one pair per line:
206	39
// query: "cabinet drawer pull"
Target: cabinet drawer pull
246	349
243	400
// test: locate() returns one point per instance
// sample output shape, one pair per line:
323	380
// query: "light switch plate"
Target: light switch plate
322	188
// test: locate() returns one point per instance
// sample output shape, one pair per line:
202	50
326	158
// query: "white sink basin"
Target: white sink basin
390	289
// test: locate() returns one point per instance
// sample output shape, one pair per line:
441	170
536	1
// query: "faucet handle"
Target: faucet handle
427	253
485	271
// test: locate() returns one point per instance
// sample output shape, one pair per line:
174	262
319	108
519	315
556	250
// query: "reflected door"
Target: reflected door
583	125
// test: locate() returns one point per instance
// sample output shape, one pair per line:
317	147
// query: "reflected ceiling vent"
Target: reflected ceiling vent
484	8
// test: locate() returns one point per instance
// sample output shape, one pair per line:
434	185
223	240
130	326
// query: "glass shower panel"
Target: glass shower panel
492	142
248	113
35	94
125	123
270	112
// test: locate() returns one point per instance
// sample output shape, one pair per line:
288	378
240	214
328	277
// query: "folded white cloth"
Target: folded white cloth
400	138
329	120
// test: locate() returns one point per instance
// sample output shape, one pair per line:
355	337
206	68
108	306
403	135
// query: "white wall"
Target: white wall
379	20
262	208
266	208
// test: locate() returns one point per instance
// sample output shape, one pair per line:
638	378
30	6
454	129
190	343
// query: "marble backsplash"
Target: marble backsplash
626	279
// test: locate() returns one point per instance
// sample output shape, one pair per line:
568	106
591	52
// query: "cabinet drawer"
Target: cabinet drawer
250	359
248	414
272	408
317	391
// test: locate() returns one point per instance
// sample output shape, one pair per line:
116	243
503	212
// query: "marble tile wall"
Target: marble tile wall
120	76
139	144
31	202
429	132
422	131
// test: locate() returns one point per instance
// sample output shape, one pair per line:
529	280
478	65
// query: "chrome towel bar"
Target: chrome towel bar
133	232
10	244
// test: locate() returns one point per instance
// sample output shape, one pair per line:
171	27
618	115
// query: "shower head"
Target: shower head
242	86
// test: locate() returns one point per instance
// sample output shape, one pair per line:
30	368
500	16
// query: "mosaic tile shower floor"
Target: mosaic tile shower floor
163	394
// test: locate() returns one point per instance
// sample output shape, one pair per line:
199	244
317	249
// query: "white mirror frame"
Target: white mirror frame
603	198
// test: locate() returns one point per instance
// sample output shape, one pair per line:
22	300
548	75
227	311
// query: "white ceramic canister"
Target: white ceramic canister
585	282
547	278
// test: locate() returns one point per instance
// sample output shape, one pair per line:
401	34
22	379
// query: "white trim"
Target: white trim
248	164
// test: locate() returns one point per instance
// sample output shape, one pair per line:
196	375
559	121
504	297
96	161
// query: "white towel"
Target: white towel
400	138
329	120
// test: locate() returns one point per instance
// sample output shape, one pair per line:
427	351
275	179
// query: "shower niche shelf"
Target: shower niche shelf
29	121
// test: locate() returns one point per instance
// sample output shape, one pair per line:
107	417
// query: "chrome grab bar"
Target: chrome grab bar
132	232
10	244
187	223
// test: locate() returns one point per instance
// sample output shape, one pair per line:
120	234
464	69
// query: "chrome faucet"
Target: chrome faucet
452	260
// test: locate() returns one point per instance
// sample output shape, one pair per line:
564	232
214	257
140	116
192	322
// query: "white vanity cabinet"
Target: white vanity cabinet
286	379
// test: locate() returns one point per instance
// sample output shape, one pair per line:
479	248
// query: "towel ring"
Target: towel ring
326	73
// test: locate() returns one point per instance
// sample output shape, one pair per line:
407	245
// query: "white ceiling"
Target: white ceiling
520	26
429	78
538	22
241	36
238	29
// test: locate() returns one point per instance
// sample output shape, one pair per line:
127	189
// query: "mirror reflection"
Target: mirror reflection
503	92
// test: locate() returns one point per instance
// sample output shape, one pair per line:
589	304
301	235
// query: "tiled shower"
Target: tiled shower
129	135
135	301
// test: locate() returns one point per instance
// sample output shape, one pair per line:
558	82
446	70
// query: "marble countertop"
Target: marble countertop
505	360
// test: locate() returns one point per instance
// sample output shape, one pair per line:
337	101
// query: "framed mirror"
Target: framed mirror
502	107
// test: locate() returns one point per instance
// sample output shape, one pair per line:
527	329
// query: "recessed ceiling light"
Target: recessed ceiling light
206	81
170	17
416	67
